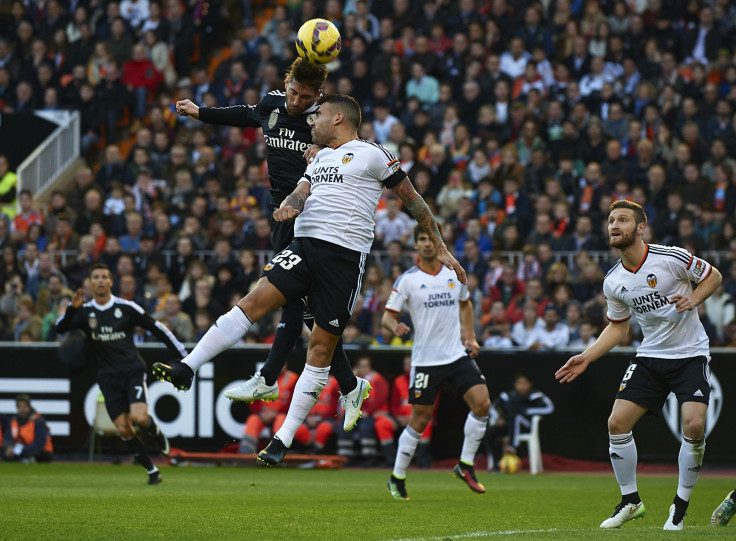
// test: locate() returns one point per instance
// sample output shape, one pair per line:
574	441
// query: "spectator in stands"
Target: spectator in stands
51	294
141	77
392	224
179	322
27	321
27	216
28	439
551	334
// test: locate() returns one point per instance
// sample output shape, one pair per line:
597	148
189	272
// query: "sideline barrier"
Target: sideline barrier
203	420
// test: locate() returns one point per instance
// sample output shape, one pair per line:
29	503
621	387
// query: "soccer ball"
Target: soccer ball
318	41
510	464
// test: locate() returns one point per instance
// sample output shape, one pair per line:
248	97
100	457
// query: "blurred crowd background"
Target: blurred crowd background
519	123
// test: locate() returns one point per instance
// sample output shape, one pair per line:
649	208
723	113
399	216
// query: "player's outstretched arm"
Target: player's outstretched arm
419	209
187	108
576	365
390	322
293	205
704	290
467	328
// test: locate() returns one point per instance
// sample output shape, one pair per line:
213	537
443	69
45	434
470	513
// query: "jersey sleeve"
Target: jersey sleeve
71	319
158	329
385	167
464	293
398	296
697	269
244	116
617	310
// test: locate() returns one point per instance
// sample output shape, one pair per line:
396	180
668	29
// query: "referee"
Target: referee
109	323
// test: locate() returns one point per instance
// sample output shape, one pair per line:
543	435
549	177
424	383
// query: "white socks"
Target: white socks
408	441
475	431
690	461
622	451
224	334
306	393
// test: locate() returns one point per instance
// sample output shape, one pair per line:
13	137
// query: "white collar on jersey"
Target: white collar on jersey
105	306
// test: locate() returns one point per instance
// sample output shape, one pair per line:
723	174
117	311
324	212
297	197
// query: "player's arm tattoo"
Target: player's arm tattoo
298	197
418	208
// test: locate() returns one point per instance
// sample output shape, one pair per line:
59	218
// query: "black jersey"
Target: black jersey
287	137
110	328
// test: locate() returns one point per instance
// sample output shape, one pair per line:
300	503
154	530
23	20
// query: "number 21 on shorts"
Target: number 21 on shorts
627	376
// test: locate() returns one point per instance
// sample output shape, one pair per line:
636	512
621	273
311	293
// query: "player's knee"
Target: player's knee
693	427
617	426
140	419
126	431
482	408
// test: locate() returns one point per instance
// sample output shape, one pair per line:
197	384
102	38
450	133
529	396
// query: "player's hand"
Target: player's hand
682	303
285	213
472	348
78	298
402	329
449	261
572	368
311	152
187	108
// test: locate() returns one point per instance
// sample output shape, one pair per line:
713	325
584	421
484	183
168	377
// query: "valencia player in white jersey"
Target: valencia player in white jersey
443	350
654	284
334	206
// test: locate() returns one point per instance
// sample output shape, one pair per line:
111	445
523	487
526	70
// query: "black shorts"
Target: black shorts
122	390
427	380
330	275
648	381
282	233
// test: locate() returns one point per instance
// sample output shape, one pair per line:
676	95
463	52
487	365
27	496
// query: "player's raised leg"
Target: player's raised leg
306	393
622	450
225	333
475	430
690	460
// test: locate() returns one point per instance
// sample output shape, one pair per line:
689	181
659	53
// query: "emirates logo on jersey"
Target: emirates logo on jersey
652	280
347	158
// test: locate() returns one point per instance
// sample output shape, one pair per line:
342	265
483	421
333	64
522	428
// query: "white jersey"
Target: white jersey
647	290
433	301
345	186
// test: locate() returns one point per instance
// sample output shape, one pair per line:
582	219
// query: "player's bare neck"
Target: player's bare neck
430	266
103	299
634	254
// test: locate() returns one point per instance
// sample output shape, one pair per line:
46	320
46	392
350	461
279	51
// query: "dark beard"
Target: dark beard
625	241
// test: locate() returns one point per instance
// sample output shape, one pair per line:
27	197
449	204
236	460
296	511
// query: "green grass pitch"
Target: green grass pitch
80	501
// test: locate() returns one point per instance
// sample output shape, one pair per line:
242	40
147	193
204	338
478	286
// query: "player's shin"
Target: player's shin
408	442
342	370
306	393
475	430
224	334
138	450
624	458
288	332
690	461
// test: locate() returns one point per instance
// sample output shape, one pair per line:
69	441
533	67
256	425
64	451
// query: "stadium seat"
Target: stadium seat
532	441
102	426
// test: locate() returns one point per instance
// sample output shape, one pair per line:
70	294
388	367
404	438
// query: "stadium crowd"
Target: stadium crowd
519	122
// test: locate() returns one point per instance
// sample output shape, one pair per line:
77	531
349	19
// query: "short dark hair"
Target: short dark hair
347	105
23	398
639	214
98	266
311	75
418	229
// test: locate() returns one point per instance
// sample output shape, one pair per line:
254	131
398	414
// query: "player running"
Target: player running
443	350
654	283
284	118
109	323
